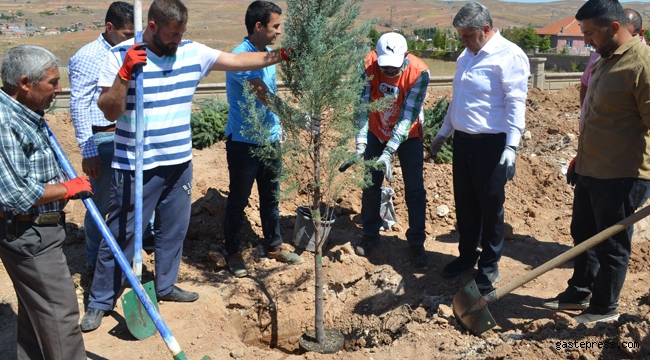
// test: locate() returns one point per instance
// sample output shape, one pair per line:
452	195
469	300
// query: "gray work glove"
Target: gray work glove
385	161
508	160
436	144
361	149
312	123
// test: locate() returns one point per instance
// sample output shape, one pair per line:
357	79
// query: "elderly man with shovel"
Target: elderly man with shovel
172	69
611	171
33	192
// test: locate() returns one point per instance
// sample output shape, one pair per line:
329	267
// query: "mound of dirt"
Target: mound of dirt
384	307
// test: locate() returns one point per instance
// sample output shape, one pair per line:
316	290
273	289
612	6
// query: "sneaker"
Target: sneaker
237	266
179	295
460	264
367	244
589	316
419	256
485	282
284	255
92	319
568	300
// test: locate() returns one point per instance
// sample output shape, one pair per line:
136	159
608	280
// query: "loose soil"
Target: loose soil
385	308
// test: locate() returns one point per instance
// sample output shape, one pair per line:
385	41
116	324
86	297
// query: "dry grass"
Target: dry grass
219	24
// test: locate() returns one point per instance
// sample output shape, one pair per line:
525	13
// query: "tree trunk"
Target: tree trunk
318	263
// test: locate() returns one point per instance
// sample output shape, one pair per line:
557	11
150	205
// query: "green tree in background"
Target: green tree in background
526	38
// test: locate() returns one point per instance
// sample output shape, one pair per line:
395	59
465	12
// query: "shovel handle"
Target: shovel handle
166	334
573	252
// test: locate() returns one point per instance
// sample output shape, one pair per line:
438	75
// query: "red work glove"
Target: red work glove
78	188
135	56
571	176
285	53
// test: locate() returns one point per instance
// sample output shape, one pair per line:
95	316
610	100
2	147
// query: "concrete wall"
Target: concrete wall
539	78
554	62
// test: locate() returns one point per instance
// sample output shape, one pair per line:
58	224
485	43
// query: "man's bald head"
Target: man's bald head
634	22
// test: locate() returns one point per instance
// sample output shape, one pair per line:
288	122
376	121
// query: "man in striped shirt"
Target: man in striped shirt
33	192
172	69
394	73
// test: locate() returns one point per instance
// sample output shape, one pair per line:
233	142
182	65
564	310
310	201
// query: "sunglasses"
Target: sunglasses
390	68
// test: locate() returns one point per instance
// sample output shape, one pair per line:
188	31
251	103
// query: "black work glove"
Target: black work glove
571	175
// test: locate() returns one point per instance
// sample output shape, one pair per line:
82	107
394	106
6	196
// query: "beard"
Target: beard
167	49
609	46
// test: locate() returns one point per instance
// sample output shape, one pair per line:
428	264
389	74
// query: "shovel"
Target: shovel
470	308
166	334
137	320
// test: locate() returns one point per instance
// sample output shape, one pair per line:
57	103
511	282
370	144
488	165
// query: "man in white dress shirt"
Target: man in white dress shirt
486	115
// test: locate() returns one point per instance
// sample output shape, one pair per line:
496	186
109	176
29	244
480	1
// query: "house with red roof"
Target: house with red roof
566	33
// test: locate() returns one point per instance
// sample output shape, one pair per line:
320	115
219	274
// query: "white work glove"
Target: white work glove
358	154
283	135
436	144
508	160
385	161
312	123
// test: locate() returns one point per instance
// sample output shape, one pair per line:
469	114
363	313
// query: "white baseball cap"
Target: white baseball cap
391	48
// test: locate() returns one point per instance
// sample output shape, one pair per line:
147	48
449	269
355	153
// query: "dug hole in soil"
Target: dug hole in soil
385	308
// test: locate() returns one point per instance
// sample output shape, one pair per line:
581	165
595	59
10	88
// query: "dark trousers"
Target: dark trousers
597	205
245	167
166	190
411	161
479	195
48	312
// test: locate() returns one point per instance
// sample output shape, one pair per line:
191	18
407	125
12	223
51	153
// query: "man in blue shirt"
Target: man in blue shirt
94	133
33	192
263	26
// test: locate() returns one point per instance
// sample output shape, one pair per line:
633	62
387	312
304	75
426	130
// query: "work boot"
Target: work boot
367	244
591	316
460	264
284	255
237	266
92	319
179	295
419	256
568	300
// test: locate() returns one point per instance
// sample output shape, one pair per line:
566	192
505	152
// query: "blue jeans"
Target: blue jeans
479	194
101	196
597	205
412	162
166	190
244	168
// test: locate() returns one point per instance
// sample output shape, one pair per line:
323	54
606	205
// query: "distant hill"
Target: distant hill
220	24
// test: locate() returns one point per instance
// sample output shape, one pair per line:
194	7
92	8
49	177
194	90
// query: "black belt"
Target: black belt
47	218
477	136
11	222
104	128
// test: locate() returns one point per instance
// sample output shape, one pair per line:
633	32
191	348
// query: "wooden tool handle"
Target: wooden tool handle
570	254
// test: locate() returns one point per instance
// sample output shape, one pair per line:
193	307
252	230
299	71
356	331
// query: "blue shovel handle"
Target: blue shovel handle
171	342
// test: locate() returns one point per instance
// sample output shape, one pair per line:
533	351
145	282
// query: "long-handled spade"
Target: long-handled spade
167	336
139	323
470	308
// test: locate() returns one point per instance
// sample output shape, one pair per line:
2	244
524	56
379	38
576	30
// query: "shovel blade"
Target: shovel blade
137	319
479	319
